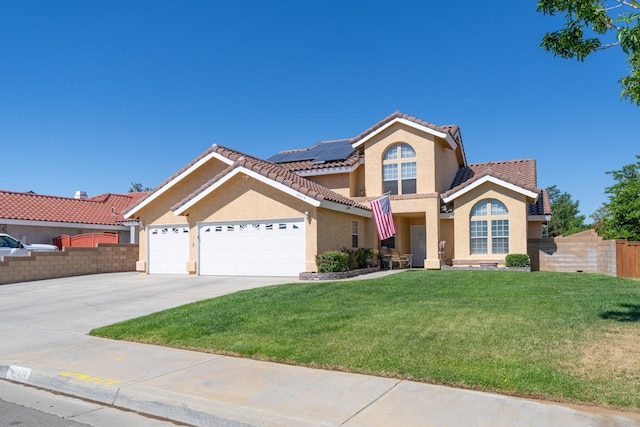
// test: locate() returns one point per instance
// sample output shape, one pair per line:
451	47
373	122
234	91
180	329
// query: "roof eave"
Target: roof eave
164	188
181	208
339	207
442	135
327	171
488	178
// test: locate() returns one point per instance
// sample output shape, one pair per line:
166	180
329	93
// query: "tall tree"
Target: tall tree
565	219
587	23
136	187
620	217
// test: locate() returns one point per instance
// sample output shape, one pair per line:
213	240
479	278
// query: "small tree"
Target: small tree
136	187
587	22
620	217
565	219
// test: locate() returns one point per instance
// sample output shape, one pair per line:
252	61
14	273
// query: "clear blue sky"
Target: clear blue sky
95	95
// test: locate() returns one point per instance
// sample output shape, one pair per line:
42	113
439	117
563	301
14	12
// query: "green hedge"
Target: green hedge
344	259
517	260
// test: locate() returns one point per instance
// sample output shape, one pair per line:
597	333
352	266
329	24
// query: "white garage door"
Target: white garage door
168	249
252	248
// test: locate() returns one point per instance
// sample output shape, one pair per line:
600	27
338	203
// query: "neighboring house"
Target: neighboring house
37	218
228	213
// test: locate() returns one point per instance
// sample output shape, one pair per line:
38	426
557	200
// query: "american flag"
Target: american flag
382	216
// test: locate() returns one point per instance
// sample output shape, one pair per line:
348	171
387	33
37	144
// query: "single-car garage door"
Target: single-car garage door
168	249
252	248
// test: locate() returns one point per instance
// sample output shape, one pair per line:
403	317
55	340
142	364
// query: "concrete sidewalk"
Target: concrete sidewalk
43	328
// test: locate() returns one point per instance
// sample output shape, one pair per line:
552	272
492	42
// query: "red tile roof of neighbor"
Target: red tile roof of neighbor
105	209
269	170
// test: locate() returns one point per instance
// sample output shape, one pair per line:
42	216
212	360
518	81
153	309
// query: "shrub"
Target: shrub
517	260
363	257
358	258
332	262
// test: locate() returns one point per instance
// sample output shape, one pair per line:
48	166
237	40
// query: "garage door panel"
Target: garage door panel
274	248
168	249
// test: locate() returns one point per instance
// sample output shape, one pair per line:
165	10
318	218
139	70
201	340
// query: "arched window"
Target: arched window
487	212
399	169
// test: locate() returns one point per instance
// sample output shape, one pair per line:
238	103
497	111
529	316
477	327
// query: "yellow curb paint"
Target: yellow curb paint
88	378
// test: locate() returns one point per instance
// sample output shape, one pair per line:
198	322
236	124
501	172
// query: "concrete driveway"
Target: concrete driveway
44	343
81	303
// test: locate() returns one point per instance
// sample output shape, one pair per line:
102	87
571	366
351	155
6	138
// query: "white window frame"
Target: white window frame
399	166
489	231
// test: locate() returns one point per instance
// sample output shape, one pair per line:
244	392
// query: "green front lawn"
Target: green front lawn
560	336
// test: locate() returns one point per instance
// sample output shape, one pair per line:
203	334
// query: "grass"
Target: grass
566	337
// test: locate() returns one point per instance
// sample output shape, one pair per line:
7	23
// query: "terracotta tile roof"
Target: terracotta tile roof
449	129
272	171
517	172
105	209
542	206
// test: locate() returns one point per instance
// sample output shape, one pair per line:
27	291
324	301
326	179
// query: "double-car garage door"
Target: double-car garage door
249	248
252	248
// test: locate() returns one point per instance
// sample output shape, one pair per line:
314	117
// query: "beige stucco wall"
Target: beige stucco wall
398	133
446	166
337	182
159	211
516	204
447	233
357	182
535	229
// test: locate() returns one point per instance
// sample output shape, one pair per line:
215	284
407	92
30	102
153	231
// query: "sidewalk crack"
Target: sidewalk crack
389	390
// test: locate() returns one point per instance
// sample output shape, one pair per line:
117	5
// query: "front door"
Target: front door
419	244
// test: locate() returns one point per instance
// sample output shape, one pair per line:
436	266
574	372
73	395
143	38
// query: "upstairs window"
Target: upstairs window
489	228
399	170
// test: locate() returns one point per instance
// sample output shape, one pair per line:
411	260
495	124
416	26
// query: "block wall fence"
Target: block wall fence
581	252
72	261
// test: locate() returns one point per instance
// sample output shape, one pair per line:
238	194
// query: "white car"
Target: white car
10	246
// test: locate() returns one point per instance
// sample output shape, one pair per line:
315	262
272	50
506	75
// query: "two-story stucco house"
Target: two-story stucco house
230	213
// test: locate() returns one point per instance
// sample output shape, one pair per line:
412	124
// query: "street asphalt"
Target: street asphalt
44	343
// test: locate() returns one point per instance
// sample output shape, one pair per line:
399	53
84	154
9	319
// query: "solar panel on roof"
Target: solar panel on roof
337	153
319	153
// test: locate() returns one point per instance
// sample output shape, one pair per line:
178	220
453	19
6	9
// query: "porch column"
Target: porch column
133	231
432	220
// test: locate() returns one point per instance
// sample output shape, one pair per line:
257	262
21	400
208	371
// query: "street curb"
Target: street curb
59	381
141	399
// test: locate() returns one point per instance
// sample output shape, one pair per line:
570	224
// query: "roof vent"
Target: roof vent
80	194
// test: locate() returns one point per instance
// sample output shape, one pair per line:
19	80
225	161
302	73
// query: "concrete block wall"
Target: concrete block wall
584	252
105	258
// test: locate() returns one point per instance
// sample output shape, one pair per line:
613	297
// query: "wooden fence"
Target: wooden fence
628	259
86	240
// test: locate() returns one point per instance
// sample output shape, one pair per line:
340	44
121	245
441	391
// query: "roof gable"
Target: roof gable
517	175
450	133
174	179
105	209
